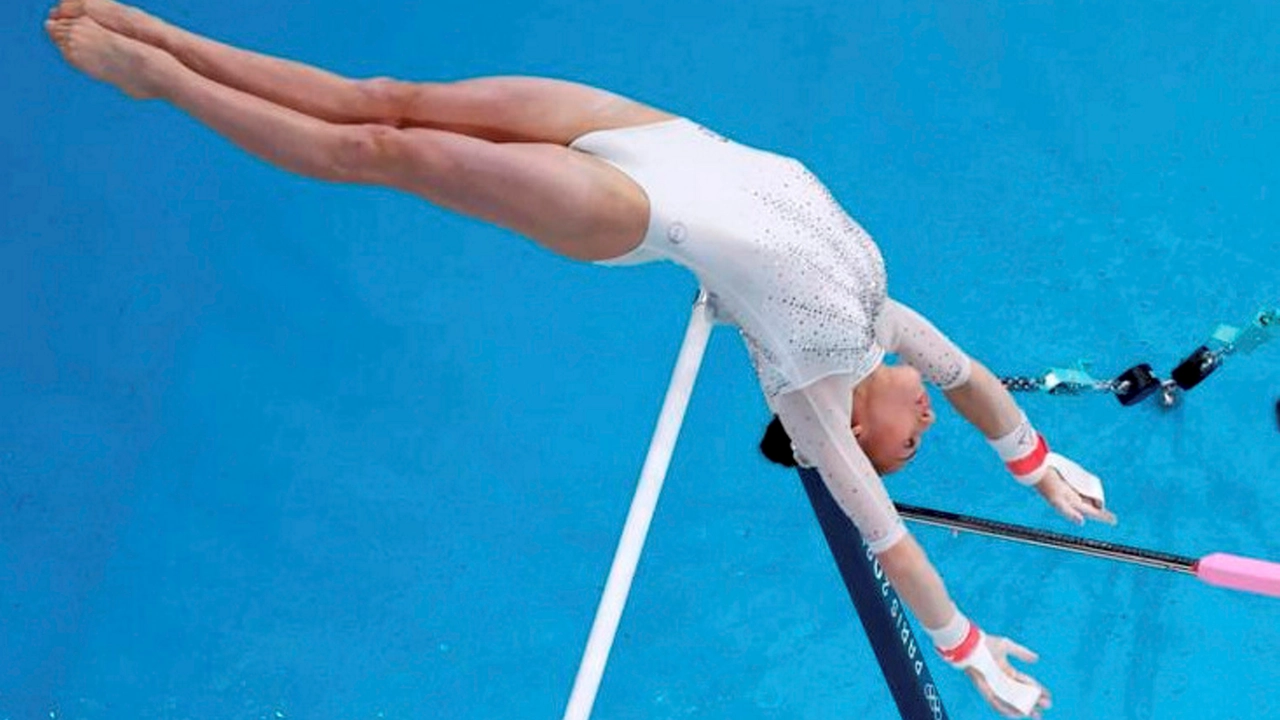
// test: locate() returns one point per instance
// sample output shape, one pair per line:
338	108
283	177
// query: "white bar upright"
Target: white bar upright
627	557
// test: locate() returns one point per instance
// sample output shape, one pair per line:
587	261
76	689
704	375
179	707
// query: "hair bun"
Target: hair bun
776	444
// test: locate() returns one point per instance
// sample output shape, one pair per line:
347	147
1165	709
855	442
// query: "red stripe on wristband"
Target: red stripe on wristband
1030	462
966	646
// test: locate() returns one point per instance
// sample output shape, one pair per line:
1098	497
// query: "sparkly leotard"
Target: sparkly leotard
800	279
780	258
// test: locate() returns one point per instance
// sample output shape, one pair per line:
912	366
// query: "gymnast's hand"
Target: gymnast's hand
1073	491
1005	696
985	659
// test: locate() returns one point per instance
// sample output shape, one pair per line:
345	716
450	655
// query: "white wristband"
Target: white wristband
952	634
1024	452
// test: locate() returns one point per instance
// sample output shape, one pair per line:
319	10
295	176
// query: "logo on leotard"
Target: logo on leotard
677	232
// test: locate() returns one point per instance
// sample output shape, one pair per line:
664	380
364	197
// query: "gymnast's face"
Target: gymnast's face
891	412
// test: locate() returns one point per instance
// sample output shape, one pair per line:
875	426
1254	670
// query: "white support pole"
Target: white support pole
627	557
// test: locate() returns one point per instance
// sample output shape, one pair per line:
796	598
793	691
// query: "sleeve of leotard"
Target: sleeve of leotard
817	418
906	333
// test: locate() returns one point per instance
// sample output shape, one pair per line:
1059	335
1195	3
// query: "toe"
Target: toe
65	33
67	9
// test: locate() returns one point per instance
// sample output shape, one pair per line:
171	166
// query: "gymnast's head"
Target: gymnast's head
891	413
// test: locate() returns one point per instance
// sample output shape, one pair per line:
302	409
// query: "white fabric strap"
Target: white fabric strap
1022	696
964	646
1081	480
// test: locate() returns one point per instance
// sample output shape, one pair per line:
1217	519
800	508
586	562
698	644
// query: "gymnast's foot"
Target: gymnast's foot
104	55
123	19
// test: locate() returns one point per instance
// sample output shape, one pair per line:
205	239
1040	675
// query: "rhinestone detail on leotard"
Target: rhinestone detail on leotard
827	289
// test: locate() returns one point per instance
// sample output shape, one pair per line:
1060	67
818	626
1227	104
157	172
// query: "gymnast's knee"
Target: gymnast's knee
369	154
390	100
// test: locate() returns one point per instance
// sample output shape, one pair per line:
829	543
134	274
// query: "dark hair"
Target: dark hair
776	444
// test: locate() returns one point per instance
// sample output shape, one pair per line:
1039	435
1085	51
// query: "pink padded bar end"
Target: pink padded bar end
1240	573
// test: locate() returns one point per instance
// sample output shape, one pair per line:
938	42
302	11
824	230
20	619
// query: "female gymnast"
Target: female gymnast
597	177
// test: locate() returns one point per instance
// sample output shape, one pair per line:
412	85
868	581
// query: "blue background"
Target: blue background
276	448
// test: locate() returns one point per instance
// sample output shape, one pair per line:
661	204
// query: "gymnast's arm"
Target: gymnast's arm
983	400
817	418
969	386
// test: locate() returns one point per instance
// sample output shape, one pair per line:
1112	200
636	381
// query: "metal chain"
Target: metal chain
1022	384
1226	341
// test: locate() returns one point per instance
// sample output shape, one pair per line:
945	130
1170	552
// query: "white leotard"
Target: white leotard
800	279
